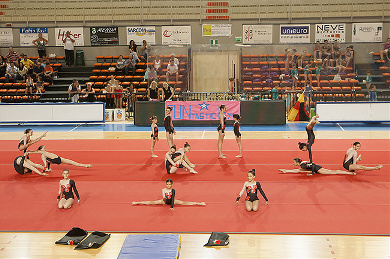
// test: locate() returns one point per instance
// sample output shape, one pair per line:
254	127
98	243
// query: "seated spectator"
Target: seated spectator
174	59
145	50
3	67
340	64
89	93
122	65
133	61
22	71
39	87
133	47
172	69
317	51
386	49
336	49
38	71
275	92
326	49
153	92
152	75
157	65
11	72
48	73
12	55
74	91
168	92
27	63
30	86
43	63
349	56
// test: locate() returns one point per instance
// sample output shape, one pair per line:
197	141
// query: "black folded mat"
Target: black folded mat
94	240
218	239
73	237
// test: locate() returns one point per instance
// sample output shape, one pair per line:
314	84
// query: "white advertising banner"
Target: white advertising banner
216	30
330	32
367	32
176	35
6	37
76	32
257	34
27	35
297	33
140	33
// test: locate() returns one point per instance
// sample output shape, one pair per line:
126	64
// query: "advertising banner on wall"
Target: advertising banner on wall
257	34
104	36
140	33
76	33
6	37
216	30
367	32
202	110
27	35
330	32
297	33
176	35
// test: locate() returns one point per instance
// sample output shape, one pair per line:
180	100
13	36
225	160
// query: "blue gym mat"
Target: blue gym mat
158	246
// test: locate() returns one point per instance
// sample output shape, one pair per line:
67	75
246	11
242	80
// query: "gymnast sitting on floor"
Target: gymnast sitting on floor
351	158
178	159
23	165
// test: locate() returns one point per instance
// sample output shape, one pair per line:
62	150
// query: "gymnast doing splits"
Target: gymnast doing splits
310	168
65	196
23	165
251	187
310	136
48	158
168	195
26	140
178	159
351	158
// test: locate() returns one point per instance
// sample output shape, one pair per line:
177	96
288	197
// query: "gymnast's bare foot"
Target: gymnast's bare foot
49	170
88	165
202	204
222	156
135	203
239	156
154	155
193	171
379	167
282	170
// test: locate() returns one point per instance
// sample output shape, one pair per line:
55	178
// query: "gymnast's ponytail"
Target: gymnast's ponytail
26	131
252	171
186	144
298	160
153	117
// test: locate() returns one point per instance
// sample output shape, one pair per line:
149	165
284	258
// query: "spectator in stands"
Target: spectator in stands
30	86
368	81
275	92
386	49
231	85
349	56
28	63
89	93
48	73
317	51
110	103
145	50
172	69
294	75
326	49
12	55
41	43
69	49
307	72
336	49
157	64
118	97
340	64
39	87
287	61
122	65
74	91
373	94
43	63
153	92
11	72
318	73
22	71
133	47
133	61
300	59
3	67
176	61
168	92
152	74
38	71
131	97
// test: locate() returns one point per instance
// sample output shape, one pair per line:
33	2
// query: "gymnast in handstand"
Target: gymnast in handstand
310	168
310	136
351	158
23	165
48	158
178	159
26	140
251	187
65	196
168	197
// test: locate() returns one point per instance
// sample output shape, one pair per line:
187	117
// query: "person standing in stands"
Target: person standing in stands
41	43
69	49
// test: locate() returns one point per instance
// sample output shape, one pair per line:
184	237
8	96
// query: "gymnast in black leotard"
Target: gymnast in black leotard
26	140
351	158
168	124
65	196
23	165
310	168
221	129
310	137
177	159
251	187
236	130
168	197
154	135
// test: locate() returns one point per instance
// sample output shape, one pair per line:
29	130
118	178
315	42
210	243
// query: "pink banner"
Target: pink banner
202	110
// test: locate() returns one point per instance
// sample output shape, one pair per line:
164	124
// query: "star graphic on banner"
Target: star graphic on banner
204	106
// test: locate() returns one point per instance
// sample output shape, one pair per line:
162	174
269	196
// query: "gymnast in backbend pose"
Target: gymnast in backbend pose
236	130
48	158
154	135
169	130
351	158
311	168
178	159
23	165
310	137
65	196
26	140
251	187
168	195
221	129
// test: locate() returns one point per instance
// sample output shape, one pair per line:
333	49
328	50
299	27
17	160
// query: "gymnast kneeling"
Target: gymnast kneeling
168	195
310	168
23	165
178	159
251	187
65	196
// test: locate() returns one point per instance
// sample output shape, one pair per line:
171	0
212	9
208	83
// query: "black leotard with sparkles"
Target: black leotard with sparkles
56	160
22	143
67	191
222	127
236	129
169	198
310	140
313	167
251	193
167	124
155	135
346	164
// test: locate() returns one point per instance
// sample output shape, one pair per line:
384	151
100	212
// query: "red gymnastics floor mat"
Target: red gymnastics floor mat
124	172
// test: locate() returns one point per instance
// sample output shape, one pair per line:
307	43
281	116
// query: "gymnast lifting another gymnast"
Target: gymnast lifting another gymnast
26	140
178	159
310	136
310	168
237	133
154	135
168	195
351	158
48	158
169	129
65	196
23	165
251	187
221	130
